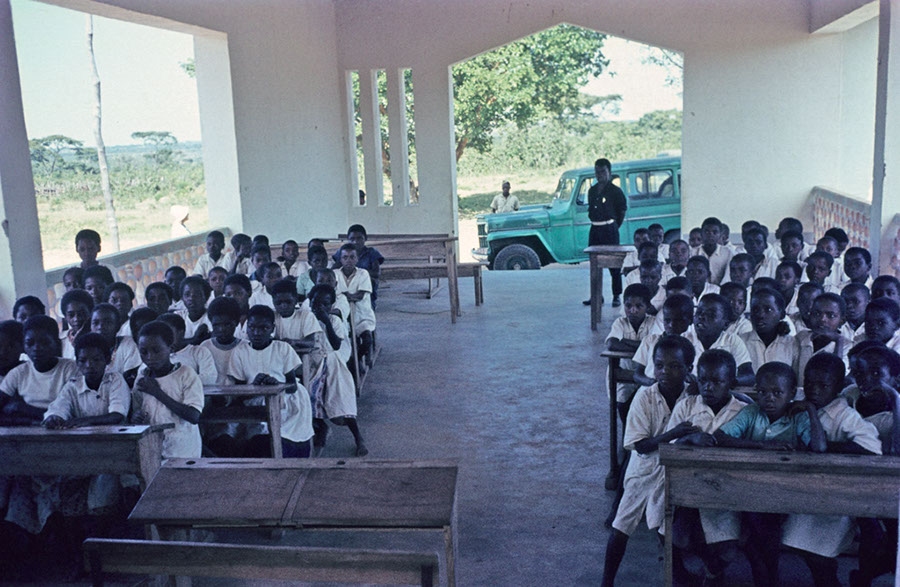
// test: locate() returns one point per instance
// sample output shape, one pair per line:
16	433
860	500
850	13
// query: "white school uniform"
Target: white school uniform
297	326
883	421
783	349
184	386
830	535
643	486
805	352
262	298
244	267
657	301
191	326
221	355
68	345
38	389
77	400
623	330
295	270
276	360
718	525
337	397
718	262
364	314
856	335
205	263
125	356
845	281
791	307
727	342
200	360
631	257
708	288
240	331
739	327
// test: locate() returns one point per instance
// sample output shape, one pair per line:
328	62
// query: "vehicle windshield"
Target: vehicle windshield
564	189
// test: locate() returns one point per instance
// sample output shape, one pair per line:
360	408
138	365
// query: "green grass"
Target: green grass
476	192
474	204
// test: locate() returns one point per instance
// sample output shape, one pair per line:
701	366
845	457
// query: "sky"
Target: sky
144	88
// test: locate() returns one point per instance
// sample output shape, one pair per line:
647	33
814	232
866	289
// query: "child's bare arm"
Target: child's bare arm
624	346
17	408
355	297
726	441
817	440
894	398
151	387
291	380
639	376
333	339
649	445
110	419
745	376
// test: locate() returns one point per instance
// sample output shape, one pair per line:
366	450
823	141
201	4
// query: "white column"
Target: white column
371	137
397	135
21	257
886	179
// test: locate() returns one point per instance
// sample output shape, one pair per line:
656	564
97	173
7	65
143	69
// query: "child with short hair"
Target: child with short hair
856	298
76	306
237	261
886	286
857	267
318	260
657	237
260	256
87	245
167	394
216	280
341	307
788	275
882	320
647	251
270	274
793	226
356	286
677	316
698	275
828	245
196	357
194	292
238	288
124	354
121	296
268	362
26	307
136	321
825	319
741	270
840	237
626	334
763	263
73	278
296	326
792	246
368	258
96	280
215	244
679	253
631	261
806	295
645	430
679	286
695	238
717	255
736	294
174	275
12	340
818	270
291	265
159	297
770	339
710	320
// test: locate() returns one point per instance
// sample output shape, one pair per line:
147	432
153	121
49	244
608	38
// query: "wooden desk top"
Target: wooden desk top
607	249
300	493
679	455
243	390
39	433
617	354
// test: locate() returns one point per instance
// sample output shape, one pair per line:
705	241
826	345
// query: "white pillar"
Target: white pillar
371	137
397	135
886	200
21	257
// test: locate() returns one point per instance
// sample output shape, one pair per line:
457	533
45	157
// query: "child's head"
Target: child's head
284	297
679	253
886	286
650	272
828	245
224	315
857	263
641	235
290	251
238	288
818	266
194	292
76	306
673	358
173	277
724	234
215	243
260	240
11	343
806	295
317	257
349	257
41	340
270	274
315	242
96	280
755	242
856	297
356	236
216	280
712	315
26	307
695	238
823	378
791	245
139	317
155	341
121	296
105	322
767	311
92	355
259	256
176	323
828	313
678	286
712	231
874	366
741	268
657	233
840	237
159	296
73	278
786	225
882	319
716	375
637	302
87	245
761	283
697	273
776	384
788	274
321	298
736	294
326	277
678	313
260	326
241	243
648	251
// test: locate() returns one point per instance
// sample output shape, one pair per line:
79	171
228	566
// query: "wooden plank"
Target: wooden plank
413	271
245	390
222	414
297	464
39	433
295	564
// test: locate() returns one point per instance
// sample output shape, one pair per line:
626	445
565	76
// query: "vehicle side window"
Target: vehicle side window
651	185
564	190
583	189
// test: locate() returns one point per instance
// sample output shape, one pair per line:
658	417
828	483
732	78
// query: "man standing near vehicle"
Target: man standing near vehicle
606	210
504	202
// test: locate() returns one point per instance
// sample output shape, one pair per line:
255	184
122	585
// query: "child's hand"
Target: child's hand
201	334
150	386
684	428
140	417
263	379
825	336
55	423
800	406
292	388
13	406
698	439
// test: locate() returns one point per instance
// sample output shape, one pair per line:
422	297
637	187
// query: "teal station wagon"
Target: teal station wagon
557	232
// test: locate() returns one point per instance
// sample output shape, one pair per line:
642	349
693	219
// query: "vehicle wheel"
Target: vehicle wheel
671	235
515	257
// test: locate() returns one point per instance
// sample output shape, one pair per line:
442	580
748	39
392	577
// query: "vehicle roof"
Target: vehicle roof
627	165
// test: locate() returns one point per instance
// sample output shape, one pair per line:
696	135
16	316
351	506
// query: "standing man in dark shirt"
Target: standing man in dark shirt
606	210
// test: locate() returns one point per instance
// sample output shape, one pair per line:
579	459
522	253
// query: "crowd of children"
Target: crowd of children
814	333
239	318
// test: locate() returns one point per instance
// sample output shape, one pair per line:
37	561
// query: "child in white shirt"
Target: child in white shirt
356	286
124	353
291	265
626	335
271	274
195	291
215	244
76	307
197	357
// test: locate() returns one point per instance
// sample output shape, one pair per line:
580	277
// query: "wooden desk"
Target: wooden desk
777	482
91	450
270	414
602	257
304	493
614	357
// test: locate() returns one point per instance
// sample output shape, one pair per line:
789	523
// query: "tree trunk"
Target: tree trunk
101	148
460	147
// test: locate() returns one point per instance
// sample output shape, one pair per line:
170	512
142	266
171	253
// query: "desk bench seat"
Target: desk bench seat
240	561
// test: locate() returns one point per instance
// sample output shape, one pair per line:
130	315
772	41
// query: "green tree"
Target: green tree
162	142
532	79
189	67
48	151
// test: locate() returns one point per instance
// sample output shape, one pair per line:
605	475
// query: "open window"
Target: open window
654	184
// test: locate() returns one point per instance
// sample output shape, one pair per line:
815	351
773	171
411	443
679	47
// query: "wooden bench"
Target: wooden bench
270	413
240	561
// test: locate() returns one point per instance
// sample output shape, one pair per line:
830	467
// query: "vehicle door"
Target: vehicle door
654	196
582	222
561	217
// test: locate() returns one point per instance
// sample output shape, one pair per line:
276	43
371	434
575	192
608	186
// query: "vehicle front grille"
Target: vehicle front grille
482	242
482	229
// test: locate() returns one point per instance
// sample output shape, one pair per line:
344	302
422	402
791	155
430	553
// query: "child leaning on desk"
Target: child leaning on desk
626	335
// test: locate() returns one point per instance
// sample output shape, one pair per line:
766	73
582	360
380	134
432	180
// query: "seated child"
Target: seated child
295	326
124	353
87	245
631	261
695	238
710	320
96	280
840	237
26	307
174	276
717	255
819	538
627	333
647	251
215	244
341	306
740	270
198	358
762	264
698	275
677	315
260	256
11	346
826	244
368	258
679	253
649	275
159	297
28	389
856	297
261	240
238	288
73	278
770	339
770	425
216	280
825	320
167	394
645	430
194	292
792	246
657	237
269	362
818	270
806	295
271	274
76	306
291	265
793	227
857	267
788	275
736	294
121	296
332	387
318	260
354	284
882	320
886	286
679	286
237	261
725	238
